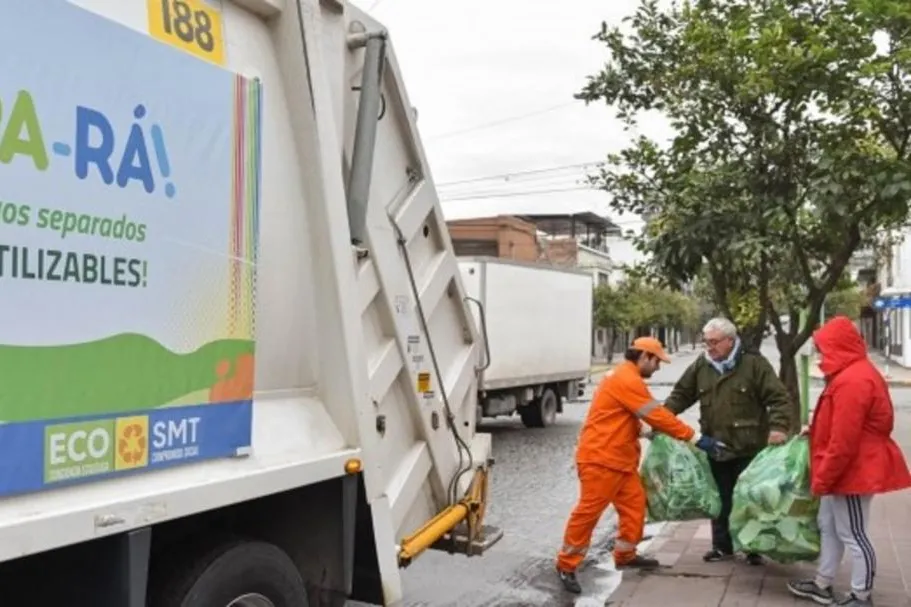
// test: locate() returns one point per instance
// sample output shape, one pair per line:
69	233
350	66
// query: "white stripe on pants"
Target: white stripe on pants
843	524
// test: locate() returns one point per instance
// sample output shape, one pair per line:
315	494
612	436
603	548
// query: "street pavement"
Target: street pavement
533	489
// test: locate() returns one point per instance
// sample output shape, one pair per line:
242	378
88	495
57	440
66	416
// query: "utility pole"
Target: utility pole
803	370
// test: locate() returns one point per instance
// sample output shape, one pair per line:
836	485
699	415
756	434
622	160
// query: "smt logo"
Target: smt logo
175	439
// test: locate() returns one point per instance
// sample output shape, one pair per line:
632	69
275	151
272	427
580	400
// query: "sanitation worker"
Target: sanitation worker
607	460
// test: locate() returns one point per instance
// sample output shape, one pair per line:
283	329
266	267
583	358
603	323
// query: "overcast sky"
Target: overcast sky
493	83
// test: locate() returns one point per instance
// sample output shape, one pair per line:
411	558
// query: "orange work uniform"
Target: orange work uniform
607	459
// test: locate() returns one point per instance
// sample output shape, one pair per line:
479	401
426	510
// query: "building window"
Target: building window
471	248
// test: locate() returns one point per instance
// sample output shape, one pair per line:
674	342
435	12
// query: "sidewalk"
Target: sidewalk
686	581
898	376
668	373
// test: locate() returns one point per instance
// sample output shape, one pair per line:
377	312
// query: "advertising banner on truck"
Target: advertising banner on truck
129	201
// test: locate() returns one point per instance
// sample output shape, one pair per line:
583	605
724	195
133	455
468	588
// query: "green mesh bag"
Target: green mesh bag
774	513
678	483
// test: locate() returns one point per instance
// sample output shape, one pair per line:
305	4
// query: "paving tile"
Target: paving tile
687	581
672	591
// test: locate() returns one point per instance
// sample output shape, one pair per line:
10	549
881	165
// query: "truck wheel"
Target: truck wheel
236	574
541	412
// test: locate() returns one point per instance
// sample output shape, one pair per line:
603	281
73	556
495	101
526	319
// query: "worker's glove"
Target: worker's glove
714	448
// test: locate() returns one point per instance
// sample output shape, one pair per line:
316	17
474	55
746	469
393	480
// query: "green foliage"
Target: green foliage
790	148
847	301
635	304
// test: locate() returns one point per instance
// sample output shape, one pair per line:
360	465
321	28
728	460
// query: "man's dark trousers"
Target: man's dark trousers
726	474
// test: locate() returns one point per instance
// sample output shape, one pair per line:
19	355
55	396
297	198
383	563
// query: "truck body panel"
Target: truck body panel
539	321
363	354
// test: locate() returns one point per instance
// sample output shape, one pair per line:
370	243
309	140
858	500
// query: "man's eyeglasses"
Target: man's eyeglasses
714	342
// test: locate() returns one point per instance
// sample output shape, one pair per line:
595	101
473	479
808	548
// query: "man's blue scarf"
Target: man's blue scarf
723	366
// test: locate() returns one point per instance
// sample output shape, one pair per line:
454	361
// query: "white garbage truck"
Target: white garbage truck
237	368
537	322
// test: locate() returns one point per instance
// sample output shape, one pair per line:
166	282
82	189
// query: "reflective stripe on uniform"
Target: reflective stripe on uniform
623	545
568	549
647	408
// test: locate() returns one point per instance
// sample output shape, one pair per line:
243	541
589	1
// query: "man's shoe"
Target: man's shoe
755	560
569	581
807	589
716	554
852	600
640	562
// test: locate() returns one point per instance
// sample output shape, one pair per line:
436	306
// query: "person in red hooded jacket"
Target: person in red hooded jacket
852	458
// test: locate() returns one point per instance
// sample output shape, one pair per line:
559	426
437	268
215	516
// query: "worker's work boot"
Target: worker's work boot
569	581
810	590
639	562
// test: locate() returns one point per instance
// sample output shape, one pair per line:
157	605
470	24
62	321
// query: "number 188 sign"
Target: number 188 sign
190	25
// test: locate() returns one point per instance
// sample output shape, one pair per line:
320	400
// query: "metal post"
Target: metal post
804	376
365	132
887	326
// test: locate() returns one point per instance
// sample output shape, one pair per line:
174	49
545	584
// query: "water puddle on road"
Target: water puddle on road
600	578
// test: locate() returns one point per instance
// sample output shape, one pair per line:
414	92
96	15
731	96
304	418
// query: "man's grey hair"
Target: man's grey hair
722	325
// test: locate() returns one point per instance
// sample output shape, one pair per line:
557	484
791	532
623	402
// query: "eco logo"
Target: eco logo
132	442
93	147
77	450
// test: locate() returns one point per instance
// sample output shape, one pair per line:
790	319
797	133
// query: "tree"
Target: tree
635	304
790	146
611	312
846	301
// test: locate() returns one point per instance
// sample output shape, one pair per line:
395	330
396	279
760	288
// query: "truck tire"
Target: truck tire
234	574
541	412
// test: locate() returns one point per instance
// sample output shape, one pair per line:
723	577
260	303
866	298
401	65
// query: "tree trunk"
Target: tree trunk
788	374
612	344
751	338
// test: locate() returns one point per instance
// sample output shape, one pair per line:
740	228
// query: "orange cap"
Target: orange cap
652	346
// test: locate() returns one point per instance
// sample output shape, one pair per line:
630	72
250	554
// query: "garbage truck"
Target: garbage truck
238	368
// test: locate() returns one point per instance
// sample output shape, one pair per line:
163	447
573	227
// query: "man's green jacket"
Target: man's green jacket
739	407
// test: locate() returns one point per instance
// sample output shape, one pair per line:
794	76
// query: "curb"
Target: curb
601	367
891	381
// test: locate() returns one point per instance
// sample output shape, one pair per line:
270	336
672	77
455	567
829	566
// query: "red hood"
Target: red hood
840	344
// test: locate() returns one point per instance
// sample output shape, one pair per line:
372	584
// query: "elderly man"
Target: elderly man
741	403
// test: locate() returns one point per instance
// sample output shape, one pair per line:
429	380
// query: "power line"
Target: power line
525	186
511	194
547	181
495	123
521	173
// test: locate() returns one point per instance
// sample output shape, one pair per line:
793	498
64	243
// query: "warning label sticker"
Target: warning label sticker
424	382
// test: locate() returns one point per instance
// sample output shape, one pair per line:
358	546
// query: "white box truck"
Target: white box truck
537	320
237	367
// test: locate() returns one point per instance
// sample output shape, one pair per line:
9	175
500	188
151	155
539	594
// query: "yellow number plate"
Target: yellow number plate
190	25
